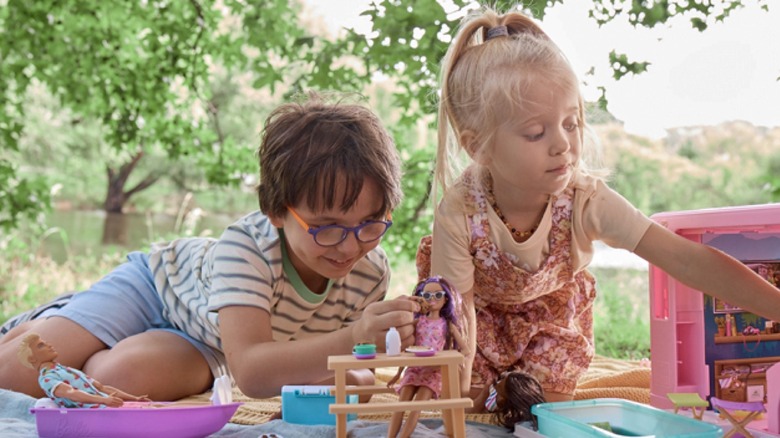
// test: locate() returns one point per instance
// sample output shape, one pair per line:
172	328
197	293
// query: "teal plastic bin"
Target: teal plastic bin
309	404
625	418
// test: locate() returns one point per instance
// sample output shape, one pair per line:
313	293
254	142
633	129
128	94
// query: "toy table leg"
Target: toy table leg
341	397
454	419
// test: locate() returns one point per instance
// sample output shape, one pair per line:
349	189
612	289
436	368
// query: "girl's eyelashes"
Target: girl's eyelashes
534	137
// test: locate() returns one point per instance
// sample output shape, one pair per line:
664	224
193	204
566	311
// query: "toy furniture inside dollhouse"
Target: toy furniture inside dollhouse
704	345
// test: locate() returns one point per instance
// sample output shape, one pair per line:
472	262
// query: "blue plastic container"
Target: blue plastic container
308	404
625	418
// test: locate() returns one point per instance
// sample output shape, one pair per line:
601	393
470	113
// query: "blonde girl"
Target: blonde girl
514	230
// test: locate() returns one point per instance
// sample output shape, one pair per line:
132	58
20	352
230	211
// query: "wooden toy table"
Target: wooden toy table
450	402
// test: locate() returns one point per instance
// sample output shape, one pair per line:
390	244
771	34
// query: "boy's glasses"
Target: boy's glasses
332	235
427	296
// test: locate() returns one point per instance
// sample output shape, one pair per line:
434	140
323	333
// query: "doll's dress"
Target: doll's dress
429	333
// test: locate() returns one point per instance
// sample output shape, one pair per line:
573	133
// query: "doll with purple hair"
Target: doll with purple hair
438	326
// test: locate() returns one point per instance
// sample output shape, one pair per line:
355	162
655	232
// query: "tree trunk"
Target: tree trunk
117	196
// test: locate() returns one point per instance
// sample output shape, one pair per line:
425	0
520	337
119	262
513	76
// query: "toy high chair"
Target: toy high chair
450	403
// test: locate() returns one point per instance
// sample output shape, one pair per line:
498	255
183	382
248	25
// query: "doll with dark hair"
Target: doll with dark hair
510	398
438	326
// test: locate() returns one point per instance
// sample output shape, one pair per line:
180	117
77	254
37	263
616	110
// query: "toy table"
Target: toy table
450	402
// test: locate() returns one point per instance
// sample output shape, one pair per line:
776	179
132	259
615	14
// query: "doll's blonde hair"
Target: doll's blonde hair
25	350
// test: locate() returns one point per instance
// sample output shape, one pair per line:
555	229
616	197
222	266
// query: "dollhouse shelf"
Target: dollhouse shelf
748	338
450	402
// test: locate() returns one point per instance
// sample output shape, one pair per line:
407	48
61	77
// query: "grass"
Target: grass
29	278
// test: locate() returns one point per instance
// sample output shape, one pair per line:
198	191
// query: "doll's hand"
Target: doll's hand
378	317
113	401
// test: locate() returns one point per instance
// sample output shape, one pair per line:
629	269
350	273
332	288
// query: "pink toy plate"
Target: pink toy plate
421	351
134	420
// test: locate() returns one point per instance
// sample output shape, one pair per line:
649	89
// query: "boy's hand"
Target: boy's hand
380	316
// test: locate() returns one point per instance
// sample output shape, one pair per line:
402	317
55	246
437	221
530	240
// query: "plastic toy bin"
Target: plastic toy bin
625	418
308	404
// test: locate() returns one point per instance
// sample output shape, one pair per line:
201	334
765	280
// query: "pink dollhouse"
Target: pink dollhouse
706	346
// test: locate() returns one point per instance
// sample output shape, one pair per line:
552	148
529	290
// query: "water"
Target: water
78	232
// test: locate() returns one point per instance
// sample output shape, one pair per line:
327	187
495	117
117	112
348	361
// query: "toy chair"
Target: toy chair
689	400
723	406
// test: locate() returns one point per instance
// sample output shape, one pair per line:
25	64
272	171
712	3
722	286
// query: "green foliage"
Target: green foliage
621	320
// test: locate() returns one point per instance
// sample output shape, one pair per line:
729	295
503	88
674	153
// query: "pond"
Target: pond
78	232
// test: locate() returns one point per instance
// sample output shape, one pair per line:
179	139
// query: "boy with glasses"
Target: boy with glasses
281	290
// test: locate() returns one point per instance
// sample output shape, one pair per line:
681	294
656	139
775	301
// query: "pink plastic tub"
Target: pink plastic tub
133	420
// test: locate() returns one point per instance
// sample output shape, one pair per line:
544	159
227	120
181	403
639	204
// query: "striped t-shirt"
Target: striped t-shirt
248	266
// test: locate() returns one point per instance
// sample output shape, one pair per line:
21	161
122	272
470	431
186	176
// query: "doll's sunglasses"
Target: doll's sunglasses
427	296
332	235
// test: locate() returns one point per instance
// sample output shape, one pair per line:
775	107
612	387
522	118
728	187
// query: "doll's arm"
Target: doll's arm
460	338
63	390
395	378
710	271
479	401
110	390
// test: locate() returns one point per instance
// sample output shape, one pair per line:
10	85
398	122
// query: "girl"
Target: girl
438	327
514	231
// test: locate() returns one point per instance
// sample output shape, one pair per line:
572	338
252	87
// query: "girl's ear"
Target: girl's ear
470	142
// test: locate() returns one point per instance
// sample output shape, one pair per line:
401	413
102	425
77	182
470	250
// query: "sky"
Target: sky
728	72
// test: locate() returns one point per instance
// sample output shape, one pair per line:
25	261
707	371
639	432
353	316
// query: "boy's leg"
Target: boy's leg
72	342
160	364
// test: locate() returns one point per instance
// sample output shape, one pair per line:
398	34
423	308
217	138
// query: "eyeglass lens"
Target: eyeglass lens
335	234
430	295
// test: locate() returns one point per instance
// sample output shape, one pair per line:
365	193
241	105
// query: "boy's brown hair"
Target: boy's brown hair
311	148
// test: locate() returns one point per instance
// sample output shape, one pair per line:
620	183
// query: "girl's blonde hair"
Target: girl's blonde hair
482	76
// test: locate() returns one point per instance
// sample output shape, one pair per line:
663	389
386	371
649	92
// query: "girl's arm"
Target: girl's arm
710	271
470	315
261	366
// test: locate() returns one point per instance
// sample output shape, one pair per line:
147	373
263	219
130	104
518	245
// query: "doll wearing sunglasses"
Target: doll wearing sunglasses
439	326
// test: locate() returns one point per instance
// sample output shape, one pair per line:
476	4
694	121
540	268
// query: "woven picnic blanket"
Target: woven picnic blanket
606	378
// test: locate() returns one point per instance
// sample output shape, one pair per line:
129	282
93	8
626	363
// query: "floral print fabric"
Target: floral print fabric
539	322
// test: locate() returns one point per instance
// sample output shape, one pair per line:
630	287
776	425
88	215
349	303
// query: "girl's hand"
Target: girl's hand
378	317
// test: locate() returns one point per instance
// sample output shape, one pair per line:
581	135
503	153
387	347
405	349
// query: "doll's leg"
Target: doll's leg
72	342
423	393
161	364
406	394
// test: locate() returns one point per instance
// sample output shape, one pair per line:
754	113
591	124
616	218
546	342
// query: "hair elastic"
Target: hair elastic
497	31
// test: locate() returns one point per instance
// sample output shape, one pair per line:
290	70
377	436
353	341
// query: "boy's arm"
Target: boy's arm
710	271
261	366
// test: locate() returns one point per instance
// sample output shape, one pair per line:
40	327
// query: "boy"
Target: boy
279	291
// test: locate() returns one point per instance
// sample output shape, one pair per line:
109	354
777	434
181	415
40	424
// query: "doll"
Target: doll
510	398
68	387
437	326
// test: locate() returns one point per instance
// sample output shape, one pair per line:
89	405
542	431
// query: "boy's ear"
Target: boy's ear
276	221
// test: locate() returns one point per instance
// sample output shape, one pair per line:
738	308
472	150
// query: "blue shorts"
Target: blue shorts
125	303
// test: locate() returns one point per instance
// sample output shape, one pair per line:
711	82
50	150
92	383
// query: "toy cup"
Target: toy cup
364	351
